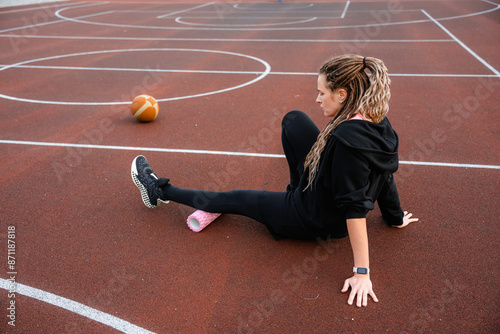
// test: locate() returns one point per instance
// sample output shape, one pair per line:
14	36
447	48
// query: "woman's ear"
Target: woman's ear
342	94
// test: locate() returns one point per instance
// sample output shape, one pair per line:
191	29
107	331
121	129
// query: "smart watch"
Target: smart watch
360	270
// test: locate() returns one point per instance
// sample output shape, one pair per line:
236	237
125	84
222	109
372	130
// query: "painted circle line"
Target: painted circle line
59	15
261	76
180	21
274	6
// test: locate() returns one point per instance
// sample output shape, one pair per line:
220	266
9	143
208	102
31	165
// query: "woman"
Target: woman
336	175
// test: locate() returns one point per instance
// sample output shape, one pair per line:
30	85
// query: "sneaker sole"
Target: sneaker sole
142	189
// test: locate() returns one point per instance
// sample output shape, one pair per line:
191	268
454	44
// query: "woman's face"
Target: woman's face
329	100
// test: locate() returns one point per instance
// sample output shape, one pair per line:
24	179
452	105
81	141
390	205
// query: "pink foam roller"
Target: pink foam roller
199	219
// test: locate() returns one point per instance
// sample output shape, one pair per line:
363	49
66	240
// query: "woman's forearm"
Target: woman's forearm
358	237
360	284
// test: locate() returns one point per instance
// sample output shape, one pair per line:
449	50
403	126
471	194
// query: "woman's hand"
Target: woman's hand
406	220
361	285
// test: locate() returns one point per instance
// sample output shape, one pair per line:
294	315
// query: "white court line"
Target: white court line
325	13
265	40
443	75
345	10
490	2
262	17
40	7
127	69
462	44
410	75
75	307
58	14
180	21
447	164
185	10
145	149
273	9
472	14
158	70
57	21
227	153
260	76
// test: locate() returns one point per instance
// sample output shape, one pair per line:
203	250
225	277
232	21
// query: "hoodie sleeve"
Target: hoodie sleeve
388	201
351	182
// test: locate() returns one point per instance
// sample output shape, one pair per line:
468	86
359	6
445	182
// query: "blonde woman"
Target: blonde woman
336	175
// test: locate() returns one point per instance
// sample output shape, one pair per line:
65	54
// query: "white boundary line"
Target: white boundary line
443	75
448	164
410	75
153	70
75	307
145	149
281	6
462	44
227	153
128	69
232	39
248	17
345	9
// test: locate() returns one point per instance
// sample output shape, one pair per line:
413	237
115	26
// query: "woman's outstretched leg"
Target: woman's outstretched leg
273	209
155	190
254	204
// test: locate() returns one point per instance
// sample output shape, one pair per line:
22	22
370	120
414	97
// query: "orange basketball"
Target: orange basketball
144	108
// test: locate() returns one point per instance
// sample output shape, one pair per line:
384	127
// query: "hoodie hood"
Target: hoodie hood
377	142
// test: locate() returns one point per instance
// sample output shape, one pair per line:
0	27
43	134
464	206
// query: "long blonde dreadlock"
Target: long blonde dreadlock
367	95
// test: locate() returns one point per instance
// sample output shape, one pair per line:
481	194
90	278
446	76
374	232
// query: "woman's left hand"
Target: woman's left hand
361	285
407	219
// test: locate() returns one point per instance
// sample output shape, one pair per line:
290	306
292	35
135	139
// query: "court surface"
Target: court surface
86	256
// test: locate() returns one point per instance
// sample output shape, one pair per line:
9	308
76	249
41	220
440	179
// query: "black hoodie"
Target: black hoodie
355	170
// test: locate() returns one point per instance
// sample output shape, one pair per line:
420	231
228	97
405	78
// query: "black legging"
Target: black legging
274	209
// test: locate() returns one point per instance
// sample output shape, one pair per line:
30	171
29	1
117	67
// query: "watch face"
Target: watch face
362	271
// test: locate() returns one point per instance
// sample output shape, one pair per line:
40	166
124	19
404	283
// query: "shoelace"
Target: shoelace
156	180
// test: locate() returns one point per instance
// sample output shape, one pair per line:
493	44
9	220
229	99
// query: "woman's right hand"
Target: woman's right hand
406	220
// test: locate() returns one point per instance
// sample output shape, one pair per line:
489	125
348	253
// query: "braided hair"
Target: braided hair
368	94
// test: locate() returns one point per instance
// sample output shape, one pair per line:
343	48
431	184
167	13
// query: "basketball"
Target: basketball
144	108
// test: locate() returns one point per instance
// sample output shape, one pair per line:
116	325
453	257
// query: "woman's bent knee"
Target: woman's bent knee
292	117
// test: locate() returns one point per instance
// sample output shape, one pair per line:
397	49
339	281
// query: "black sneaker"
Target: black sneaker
147	182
